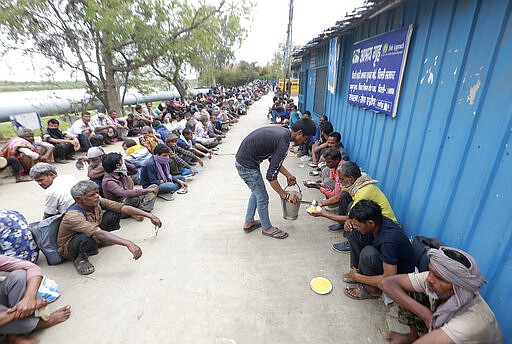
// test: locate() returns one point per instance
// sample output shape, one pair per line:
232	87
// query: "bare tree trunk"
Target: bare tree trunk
111	89
180	86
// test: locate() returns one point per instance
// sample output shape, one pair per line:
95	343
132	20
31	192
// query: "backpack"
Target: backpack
45	234
420	246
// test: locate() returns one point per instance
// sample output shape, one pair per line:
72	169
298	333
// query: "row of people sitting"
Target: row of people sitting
440	303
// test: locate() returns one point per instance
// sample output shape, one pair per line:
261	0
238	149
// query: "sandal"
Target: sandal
359	292
277	234
83	266
253	227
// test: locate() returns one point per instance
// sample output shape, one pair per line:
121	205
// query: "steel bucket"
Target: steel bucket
290	210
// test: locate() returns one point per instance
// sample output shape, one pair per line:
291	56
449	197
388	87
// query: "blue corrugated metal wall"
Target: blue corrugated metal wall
444	162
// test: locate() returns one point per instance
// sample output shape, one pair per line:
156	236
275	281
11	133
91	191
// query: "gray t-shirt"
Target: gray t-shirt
270	142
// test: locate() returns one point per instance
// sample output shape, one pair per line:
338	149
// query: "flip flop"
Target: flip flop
275	234
253	227
83	266
166	196
363	293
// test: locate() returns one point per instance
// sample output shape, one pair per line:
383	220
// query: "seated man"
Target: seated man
149	139
20	305
65	144
316	150
11	166
57	196
379	249
201	133
160	129
120	125
103	125
136	155
444	302
212	131
187	142
117	186
356	186
23	149
156	171
84	132
178	158
85	227
330	185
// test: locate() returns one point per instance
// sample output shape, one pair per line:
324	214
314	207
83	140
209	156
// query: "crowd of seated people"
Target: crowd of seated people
440	304
161	147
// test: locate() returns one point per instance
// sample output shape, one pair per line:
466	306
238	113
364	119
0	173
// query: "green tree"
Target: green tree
105	40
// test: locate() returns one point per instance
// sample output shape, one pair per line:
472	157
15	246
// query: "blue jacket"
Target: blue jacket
149	174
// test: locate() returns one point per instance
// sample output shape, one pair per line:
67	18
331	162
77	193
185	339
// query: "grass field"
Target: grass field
6	129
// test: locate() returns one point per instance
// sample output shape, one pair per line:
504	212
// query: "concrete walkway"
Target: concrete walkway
203	280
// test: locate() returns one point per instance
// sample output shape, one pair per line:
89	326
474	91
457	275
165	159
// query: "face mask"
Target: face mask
122	169
101	115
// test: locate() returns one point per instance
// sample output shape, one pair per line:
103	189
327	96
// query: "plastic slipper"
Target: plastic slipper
84	267
167	196
363	293
182	191
314	173
313	164
253	227
276	234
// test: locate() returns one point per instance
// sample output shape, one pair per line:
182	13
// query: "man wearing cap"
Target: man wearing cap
272	143
443	302
57	197
84	132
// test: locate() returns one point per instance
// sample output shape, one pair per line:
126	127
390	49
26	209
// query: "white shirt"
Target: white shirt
97	121
57	196
78	127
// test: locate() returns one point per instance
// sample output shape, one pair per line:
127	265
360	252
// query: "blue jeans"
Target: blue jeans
259	195
170	187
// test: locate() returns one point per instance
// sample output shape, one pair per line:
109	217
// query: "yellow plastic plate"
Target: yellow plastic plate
321	285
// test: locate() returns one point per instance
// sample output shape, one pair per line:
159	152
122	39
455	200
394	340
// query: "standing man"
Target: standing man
272	143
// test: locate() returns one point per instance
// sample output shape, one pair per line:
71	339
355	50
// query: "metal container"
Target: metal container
291	210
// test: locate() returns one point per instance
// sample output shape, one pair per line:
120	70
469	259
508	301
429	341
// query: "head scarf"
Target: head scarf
359	183
162	168
466	283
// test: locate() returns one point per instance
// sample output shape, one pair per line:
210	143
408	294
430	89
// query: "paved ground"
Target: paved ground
203	280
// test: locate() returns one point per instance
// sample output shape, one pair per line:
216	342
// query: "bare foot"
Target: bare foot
399	338
20	339
60	315
21	179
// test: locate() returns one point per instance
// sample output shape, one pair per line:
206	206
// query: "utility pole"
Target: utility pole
288	49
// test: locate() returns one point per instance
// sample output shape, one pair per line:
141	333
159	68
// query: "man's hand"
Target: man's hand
348	227
316	213
192	171
135	250
291	180
153	190
293	198
182	183
156	221
200	162
27	306
354	274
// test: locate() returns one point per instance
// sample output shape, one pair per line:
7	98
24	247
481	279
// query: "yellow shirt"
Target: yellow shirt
133	149
372	193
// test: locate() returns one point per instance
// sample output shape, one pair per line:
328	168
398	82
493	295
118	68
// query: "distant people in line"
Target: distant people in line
272	143
443	304
57	196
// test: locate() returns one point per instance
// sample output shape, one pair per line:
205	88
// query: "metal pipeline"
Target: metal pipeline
61	105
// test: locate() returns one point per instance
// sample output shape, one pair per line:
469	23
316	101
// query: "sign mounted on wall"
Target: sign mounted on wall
377	69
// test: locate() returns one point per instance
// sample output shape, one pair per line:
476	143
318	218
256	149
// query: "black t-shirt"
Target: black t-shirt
394	247
270	142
